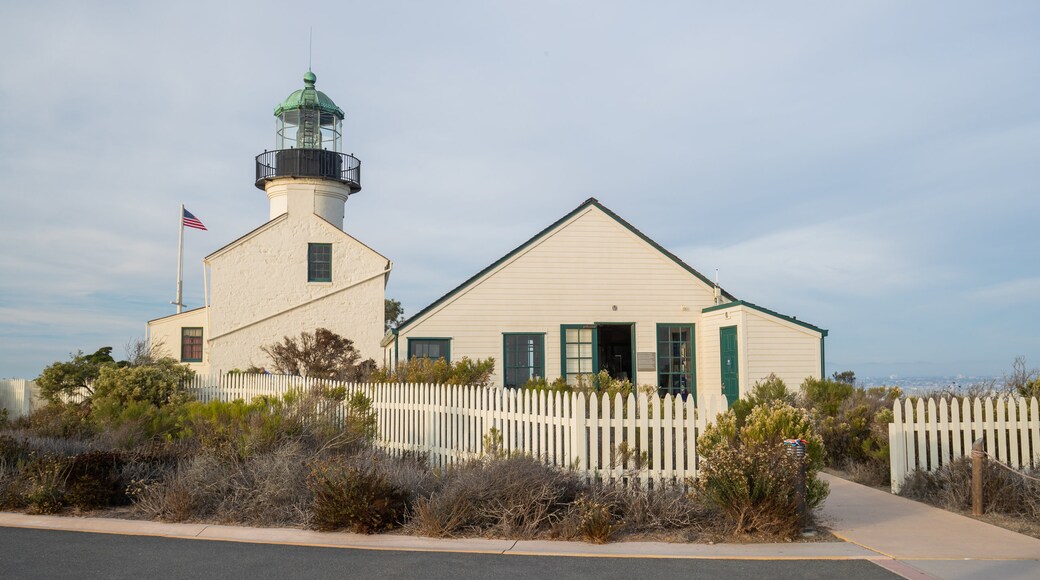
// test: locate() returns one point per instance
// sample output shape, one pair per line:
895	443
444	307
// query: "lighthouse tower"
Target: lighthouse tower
308	170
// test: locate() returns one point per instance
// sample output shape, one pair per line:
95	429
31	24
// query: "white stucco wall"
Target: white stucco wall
259	290
164	335
322	197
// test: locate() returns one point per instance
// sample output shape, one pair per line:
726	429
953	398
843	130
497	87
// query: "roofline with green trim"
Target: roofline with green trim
792	319
588	202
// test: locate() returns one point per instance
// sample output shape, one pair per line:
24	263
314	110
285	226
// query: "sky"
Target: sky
869	167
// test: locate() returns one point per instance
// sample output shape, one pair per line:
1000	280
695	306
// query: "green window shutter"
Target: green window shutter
319	262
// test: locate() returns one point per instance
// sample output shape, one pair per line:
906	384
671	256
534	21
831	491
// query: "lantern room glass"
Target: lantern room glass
308	129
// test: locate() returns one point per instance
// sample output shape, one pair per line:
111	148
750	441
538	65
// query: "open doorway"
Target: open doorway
615	350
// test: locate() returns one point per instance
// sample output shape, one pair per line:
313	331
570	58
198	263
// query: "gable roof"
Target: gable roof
763	310
176	314
545	232
280	218
266	225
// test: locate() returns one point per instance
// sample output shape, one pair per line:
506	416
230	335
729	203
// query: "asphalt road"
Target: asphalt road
26	553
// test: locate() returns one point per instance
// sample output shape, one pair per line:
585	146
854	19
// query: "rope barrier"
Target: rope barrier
975	453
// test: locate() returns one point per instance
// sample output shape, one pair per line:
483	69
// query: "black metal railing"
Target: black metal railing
319	163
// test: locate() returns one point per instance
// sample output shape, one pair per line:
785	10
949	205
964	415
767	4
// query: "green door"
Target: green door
728	352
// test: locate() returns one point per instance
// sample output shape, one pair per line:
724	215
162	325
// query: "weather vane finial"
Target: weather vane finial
310	47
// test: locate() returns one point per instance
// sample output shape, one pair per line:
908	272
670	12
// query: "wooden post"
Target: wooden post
977	456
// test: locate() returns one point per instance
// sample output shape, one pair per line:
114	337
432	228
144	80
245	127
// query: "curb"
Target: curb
346	540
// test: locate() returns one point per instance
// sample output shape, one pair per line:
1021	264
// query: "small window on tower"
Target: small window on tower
319	262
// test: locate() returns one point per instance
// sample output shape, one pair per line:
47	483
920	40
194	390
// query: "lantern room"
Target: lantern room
308	140
308	119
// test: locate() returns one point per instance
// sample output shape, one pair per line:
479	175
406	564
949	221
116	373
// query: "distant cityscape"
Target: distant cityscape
921	384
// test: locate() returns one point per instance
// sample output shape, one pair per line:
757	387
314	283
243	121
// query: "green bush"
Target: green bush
356	497
768	390
148	398
75	376
856	437
748	474
441	372
825	396
558	385
239	429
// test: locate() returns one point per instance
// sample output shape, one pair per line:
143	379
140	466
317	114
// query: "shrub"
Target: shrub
61	420
45	489
323	354
147	397
94	480
354	496
558	385
74	377
825	396
595	519
515	496
768	390
265	489
239	429
856	437
1022	381
441	372
949	487
748	474
753	485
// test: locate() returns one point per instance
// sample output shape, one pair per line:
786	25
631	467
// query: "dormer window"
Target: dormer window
319	262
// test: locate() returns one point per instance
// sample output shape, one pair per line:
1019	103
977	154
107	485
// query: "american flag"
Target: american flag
192	222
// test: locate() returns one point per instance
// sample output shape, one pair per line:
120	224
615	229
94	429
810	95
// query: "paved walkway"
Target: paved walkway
935	542
906	537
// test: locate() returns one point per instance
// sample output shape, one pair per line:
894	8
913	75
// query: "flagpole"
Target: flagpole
180	261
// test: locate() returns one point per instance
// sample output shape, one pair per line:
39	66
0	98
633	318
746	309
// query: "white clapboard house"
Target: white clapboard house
591	292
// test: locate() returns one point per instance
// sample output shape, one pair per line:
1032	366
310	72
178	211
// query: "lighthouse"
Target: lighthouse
308	170
299	270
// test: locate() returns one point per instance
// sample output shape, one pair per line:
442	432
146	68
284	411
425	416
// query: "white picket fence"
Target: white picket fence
582	432
930	434
19	396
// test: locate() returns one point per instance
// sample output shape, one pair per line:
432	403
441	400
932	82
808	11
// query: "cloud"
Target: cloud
834	259
1021	290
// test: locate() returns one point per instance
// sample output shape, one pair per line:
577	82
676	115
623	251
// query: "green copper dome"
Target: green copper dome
309	98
